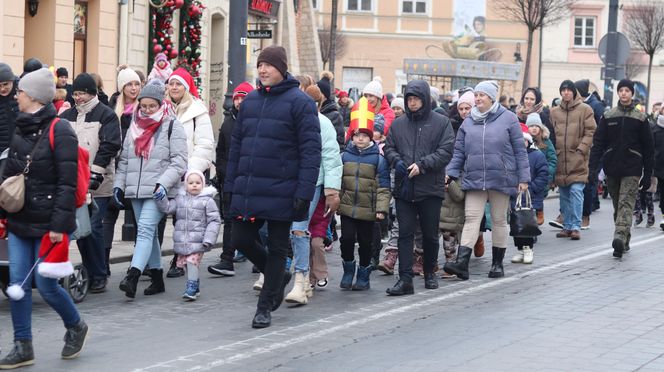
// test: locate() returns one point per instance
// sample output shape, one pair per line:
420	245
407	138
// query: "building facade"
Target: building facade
450	43
571	52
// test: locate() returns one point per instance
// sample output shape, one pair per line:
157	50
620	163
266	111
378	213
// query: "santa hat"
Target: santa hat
183	76
242	90
341	93
54	258
362	118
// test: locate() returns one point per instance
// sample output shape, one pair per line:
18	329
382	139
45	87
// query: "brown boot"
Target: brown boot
540	217
564	234
387	264
478	249
575	235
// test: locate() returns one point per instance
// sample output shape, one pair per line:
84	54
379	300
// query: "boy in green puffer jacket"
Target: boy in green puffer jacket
452	218
365	199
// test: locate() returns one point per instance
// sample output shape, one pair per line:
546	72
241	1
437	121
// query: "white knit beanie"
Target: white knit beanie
375	88
126	76
398	102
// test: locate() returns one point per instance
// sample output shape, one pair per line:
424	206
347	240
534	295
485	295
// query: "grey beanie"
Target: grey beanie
488	87
153	89
6	73
39	84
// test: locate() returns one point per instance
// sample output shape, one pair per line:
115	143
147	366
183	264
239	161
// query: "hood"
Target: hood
420	89
569	106
352	149
288	83
329	106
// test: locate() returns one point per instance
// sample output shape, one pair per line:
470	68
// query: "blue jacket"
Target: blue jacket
597	106
491	155
539	177
275	152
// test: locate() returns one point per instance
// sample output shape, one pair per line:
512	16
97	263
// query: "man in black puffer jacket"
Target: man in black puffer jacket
98	131
419	146
8	105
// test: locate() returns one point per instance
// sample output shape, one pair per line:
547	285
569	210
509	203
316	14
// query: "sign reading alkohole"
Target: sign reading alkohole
259	34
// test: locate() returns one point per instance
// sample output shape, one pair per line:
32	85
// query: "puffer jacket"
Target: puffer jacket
331	167
424	138
453	212
597	106
491	154
365	187
546	146
200	138
387	113
8	112
197	220
137	176
539	177
658	142
50	184
624	143
331	111
275	152
224	144
98	131
574	126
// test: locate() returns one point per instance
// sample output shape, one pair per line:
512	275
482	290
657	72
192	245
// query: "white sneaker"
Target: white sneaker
518	257
258	285
527	255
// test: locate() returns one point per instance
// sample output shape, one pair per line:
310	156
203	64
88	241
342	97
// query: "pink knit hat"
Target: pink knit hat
194	171
467	98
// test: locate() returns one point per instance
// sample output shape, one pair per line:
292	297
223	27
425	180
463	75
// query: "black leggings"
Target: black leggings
354	230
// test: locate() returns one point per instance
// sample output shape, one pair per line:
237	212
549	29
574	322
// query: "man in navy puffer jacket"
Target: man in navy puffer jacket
272	172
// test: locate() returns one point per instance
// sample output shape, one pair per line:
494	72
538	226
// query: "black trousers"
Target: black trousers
589	195
228	250
270	262
428	211
354	230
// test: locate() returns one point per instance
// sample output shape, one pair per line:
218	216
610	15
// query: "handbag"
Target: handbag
83	226
12	190
523	219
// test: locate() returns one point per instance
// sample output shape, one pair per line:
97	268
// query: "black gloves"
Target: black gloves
645	183
116	199
96	180
300	209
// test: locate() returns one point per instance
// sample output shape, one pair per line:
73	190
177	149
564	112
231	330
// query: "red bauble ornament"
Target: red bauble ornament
173	54
179	4
154	41
157	49
194	11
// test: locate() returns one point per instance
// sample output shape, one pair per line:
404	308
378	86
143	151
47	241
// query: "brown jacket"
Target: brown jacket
574	125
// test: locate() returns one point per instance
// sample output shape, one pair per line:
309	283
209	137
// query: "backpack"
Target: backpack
83	168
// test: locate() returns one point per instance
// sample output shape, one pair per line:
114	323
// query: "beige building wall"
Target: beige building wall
11	47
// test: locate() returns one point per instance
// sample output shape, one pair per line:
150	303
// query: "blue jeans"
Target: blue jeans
93	253
147	250
23	253
571	205
302	244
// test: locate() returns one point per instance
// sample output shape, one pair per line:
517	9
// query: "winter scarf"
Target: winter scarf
522	112
481	117
183	105
84	108
128	108
143	128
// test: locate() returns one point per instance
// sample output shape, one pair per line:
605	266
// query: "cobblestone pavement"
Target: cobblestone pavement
574	309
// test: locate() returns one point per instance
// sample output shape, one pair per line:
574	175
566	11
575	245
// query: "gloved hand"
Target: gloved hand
300	209
159	192
401	169
96	180
117	197
645	183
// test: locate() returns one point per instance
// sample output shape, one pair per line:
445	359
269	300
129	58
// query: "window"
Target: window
359	5
415	7
584	32
315	4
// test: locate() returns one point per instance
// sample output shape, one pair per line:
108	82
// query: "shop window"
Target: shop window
413	7
80	36
584	32
359	5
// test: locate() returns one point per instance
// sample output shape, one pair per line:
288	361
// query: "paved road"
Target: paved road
575	309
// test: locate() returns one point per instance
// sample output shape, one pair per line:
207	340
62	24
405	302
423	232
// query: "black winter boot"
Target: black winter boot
157	282
75	340
129	283
403	287
430	281
497	263
460	267
21	355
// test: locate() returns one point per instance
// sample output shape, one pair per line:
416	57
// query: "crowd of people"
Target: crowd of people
416	169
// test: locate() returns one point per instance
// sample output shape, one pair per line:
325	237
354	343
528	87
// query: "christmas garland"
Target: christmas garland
189	55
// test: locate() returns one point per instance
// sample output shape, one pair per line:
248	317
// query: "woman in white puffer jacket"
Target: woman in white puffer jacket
193	114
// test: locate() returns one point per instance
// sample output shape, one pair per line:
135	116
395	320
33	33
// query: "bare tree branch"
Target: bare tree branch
644	28
634	67
341	45
534	14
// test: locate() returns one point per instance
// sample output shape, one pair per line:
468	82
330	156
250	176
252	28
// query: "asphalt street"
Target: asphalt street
576	308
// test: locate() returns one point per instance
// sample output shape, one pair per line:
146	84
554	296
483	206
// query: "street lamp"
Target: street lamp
33	6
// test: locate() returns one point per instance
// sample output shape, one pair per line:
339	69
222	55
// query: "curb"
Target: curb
164	253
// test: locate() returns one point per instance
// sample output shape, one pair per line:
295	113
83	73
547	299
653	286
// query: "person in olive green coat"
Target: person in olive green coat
365	198
452	218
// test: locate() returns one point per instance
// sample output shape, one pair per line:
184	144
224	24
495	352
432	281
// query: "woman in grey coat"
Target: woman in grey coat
152	161
489	152
196	227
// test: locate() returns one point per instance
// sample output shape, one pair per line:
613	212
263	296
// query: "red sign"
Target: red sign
264	8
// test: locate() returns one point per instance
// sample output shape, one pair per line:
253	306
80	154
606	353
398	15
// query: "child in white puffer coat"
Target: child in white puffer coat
197	223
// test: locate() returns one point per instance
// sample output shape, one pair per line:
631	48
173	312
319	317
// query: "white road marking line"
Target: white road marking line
376	316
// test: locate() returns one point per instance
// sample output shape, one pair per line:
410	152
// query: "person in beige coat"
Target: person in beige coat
574	125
